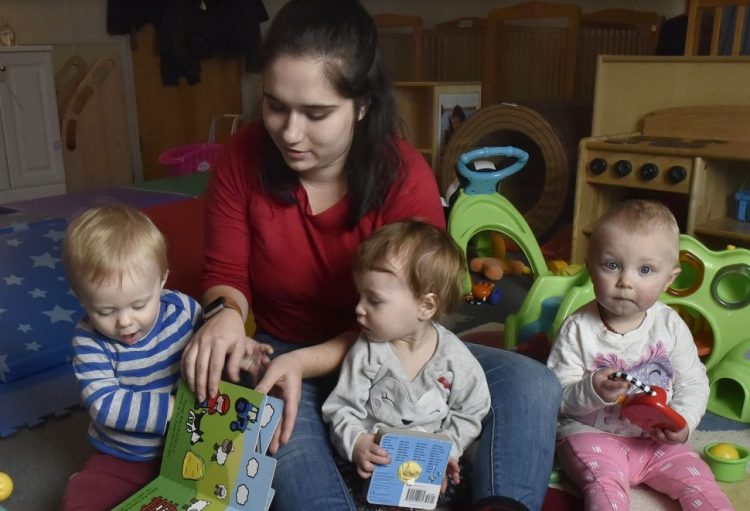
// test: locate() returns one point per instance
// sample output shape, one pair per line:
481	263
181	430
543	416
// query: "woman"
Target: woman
287	208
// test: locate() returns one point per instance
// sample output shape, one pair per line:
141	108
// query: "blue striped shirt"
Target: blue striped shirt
126	388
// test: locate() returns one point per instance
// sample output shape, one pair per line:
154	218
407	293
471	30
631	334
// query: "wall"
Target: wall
78	27
435	11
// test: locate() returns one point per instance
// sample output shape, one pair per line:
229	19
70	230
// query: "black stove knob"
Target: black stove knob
623	168
597	166
649	171
676	173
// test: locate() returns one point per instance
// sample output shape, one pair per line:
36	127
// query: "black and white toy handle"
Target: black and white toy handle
619	375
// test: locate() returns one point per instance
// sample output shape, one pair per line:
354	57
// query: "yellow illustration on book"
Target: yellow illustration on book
409	472
192	466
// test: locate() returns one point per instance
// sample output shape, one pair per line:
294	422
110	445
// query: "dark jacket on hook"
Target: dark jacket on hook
190	30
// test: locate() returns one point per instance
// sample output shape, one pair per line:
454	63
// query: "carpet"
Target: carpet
30	401
70	204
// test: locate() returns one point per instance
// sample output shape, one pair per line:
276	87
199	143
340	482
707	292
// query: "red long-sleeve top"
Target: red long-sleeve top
293	266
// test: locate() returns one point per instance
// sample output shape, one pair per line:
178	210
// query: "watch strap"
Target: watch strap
219	304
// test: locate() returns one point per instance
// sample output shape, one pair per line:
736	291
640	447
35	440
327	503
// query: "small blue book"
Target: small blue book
416	471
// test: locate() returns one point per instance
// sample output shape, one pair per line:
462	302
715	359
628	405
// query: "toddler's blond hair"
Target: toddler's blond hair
109	241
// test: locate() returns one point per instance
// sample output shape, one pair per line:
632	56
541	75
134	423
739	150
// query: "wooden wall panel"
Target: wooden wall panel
169	116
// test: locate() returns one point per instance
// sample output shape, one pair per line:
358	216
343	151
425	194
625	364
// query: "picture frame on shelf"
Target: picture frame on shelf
453	109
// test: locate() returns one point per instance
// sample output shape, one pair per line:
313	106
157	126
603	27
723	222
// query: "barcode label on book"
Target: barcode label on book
416	496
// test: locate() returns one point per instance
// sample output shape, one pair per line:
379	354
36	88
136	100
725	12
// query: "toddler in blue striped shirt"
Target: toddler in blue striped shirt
128	346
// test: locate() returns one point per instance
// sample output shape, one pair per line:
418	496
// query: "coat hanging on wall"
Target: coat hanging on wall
188	31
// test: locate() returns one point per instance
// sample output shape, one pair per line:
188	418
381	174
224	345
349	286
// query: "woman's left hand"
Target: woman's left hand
284	373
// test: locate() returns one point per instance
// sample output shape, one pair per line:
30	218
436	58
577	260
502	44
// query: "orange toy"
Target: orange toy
496	265
494	269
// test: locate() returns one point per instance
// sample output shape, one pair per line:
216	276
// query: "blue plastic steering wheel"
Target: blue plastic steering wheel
481	183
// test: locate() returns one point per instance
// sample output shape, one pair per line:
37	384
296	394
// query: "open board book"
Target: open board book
416	471
214	454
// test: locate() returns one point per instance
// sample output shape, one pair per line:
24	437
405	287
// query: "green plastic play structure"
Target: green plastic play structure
479	207
712	292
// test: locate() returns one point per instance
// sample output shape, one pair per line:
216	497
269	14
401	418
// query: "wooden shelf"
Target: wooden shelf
421	105
726	228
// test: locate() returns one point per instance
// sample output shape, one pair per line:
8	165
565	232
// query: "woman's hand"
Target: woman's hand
607	389
284	373
366	454
205	356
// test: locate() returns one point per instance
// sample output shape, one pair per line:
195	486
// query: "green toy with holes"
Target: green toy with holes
714	287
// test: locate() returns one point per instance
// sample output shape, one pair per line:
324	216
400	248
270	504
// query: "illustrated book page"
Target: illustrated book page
213	454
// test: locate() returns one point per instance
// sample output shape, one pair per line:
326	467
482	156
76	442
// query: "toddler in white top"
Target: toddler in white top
633	257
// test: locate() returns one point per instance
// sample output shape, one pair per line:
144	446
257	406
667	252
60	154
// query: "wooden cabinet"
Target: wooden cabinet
425	109
31	163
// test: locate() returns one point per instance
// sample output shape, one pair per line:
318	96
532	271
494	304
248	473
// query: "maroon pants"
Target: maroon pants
105	481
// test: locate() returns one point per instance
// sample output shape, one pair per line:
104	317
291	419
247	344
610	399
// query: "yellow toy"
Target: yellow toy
725	451
6	486
562	268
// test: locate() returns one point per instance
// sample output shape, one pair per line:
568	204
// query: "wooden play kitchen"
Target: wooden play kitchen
695	159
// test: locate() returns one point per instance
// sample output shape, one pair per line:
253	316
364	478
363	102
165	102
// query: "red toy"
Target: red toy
648	409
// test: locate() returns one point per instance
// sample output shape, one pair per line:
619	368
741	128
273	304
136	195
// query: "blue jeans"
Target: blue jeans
514	454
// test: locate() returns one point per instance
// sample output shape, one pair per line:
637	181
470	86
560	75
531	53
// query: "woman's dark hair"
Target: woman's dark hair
345	36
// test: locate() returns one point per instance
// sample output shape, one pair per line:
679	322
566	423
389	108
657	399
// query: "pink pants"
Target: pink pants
105	481
605	466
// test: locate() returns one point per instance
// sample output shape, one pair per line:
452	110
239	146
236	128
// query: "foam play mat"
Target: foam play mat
37	316
37	309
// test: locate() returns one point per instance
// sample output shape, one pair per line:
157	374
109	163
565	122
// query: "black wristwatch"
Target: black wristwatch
215	307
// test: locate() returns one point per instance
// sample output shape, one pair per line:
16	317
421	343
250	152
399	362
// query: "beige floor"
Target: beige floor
41	459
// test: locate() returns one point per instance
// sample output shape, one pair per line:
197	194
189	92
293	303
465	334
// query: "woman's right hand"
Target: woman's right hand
205	356
284	374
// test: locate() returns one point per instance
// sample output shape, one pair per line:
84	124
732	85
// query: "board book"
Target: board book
214	454
416	471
